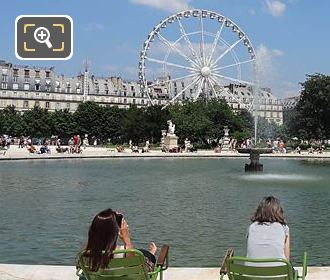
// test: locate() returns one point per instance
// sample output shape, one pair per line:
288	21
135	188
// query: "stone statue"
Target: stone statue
171	127
226	130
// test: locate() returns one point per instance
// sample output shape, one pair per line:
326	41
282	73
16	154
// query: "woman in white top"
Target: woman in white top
268	235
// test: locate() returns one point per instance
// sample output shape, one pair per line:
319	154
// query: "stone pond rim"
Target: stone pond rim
255	165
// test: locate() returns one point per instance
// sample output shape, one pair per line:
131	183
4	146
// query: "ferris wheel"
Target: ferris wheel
197	54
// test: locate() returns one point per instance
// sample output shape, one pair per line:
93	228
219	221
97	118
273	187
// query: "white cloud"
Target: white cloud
275	8
94	27
167	5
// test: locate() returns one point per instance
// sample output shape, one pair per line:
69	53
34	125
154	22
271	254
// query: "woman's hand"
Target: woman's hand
124	234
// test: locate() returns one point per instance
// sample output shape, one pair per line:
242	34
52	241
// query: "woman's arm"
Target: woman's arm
287	247
125	236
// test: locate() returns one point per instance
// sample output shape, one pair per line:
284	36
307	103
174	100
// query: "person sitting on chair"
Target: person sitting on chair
107	227
268	235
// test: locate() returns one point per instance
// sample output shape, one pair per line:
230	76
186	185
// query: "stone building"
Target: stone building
290	102
25	87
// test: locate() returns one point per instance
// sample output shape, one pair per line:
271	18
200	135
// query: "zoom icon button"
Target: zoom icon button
46	37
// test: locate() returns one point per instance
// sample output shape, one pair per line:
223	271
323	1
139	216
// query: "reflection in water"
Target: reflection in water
195	205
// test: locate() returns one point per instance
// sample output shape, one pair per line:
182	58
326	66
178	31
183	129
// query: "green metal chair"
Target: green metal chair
237	268
131	267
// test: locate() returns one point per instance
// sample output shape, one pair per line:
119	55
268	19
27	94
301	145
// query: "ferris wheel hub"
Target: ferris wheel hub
205	71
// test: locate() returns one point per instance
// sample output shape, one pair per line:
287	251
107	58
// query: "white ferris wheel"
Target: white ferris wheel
197	54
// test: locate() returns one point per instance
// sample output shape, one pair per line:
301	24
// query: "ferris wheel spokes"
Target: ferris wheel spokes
212	87
234	64
182	91
226	51
202	42
215	42
174	48
170	63
206	58
186	38
199	88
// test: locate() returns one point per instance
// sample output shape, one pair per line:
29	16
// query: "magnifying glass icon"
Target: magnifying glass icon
41	35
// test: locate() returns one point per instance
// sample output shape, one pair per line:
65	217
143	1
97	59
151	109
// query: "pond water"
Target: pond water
199	207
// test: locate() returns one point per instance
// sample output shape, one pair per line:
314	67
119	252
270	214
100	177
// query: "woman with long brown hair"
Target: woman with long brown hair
268	235
107	227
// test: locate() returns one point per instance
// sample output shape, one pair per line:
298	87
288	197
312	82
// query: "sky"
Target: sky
291	37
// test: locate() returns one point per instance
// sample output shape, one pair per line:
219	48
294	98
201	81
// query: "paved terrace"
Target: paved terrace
14	153
44	272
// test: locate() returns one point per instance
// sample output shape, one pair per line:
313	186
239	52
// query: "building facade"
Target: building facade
25	87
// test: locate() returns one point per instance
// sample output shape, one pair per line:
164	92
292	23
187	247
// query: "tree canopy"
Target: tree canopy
202	122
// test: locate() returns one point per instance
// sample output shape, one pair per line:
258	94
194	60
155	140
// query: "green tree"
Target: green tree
156	120
134	125
88	118
64	123
11	122
38	122
111	125
312	115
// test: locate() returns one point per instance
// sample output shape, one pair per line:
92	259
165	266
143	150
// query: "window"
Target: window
15	72
106	88
47	87
37	104
142	101
47	105
15	86
125	100
4	85
27	73
47	74
58	106
26	104
37	74
15	79
26	86
68	105
37	87
134	102
4	78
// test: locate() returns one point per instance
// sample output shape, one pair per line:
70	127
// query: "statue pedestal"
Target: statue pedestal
171	141
225	145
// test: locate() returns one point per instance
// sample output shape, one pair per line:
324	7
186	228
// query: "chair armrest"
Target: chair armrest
223	265
163	256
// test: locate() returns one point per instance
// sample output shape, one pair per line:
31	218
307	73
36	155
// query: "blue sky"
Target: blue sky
291	36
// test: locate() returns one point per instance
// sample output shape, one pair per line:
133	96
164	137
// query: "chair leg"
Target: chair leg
295	275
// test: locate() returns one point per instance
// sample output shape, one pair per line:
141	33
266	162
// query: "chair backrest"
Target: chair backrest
124	268
240	268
